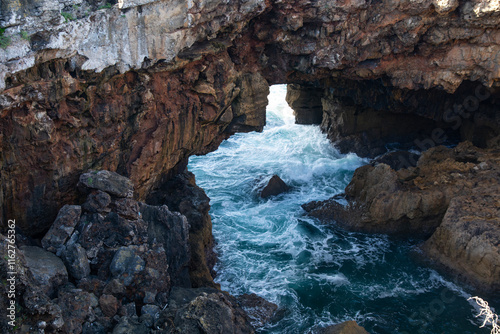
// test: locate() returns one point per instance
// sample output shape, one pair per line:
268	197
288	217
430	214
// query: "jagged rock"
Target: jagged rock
170	229
47	269
259	310
126	263
62	228
127	208
76	261
109	305
348	327
106	181
76	308
183	195
466	242
97	202
204	310
306	103
274	187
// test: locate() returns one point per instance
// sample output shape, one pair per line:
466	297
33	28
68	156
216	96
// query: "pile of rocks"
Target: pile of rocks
117	265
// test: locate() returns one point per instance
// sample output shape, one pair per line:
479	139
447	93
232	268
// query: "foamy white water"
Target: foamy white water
318	275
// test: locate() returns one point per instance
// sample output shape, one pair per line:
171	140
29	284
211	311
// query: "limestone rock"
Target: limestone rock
47	269
109	182
411	201
274	187
466	243
62	228
306	103
348	327
171	230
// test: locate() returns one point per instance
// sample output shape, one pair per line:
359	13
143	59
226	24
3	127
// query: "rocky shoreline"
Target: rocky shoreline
449	199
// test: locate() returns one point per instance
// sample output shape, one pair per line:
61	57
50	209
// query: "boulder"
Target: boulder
203	310
347	327
62	228
274	187
97	201
109	182
109	305
47	269
259	310
76	261
76	308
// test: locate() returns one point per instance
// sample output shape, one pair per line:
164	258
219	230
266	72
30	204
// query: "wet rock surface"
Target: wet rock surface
114	270
450	196
274	187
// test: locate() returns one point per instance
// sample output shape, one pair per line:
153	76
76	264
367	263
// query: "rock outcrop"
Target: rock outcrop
467	241
450	197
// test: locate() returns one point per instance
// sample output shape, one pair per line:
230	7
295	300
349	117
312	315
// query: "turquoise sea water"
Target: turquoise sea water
318	275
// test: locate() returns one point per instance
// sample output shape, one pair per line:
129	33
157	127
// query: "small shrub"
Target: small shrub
4	40
106	6
67	16
24	35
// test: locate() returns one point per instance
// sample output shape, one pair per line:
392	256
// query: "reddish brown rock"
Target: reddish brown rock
109	305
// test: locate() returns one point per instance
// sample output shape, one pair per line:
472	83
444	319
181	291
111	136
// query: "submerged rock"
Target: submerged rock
274	187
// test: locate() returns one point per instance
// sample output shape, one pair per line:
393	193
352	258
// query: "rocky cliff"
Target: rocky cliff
138	86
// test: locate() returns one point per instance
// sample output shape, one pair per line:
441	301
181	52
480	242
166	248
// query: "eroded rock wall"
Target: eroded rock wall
138	86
